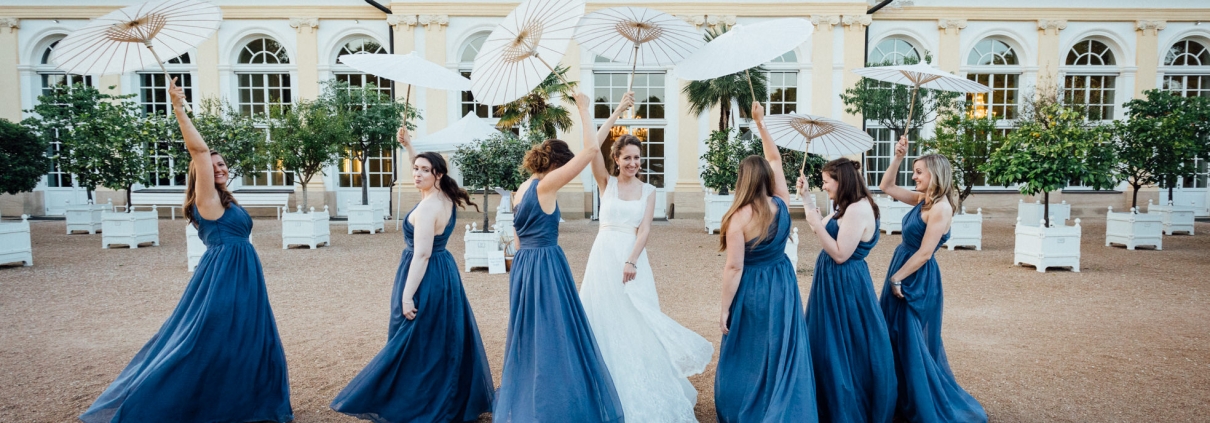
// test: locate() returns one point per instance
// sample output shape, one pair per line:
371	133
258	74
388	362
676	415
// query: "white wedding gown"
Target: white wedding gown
648	354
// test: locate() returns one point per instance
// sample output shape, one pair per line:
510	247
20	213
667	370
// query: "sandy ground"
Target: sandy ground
1125	339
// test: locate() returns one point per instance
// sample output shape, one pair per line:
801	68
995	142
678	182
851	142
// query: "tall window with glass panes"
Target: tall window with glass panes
994	63
1186	72
379	167
1089	82
262	74
52	79
466	102
646	121
890	51
153	96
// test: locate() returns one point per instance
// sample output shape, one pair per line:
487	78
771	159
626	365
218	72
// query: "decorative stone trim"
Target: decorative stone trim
951	26
1052	26
1150	27
431	20
11	23
857	22
696	20
299	23
719	20
830	20
402	22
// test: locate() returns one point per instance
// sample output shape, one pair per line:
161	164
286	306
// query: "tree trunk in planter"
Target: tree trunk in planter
365	178
304	190
485	208
1046	208
129	207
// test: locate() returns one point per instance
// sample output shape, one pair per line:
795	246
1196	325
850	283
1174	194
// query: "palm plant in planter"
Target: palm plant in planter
536	111
1052	146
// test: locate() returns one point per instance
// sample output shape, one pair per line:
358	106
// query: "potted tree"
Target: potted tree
487	163
719	172
373	117
1162	135
967	141
1052	145
22	164
306	138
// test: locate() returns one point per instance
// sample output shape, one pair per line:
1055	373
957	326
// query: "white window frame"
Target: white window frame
273	177
1201	175
55	177
875	164
633	120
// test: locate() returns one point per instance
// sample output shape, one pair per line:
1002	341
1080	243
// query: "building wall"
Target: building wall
313	31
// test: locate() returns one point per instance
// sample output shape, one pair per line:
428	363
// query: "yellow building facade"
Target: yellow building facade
270	52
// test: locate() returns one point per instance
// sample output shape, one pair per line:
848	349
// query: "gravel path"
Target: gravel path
1125	339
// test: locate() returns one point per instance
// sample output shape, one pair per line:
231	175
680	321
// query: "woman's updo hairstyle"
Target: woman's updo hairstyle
547	156
620	144
850	185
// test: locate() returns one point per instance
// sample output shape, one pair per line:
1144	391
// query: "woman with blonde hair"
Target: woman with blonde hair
854	368
912	296
218	357
553	370
764	364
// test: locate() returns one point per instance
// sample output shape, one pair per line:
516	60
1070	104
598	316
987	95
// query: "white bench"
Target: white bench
258	198
172	199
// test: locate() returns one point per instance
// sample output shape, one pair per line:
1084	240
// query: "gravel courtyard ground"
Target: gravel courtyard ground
1126	339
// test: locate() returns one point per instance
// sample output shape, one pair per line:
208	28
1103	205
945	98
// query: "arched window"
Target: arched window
153	95
645	121
378	163
53	79
994	63
894	51
263	81
1187	73
1090	79
362	45
466	62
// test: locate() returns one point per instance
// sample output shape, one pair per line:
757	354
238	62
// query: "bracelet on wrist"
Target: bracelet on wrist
632	264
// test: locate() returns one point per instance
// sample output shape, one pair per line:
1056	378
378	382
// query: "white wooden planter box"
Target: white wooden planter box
15	245
890	213
310	228
1032	212
966	230
1133	229
1174	218
504	223
194	247
716	207
1056	246
368	218
131	229
792	248
86	217
478	244
1200	199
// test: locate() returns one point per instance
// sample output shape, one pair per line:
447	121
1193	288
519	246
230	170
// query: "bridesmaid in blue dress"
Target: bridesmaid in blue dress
764	364
553	369
218	357
433	367
912	299
854	367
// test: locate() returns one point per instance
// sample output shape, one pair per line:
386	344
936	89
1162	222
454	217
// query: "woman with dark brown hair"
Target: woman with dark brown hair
650	356
764	363
218	357
553	369
854	368
433	367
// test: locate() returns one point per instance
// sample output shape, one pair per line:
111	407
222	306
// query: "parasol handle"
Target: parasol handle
803	167
167	76
749	75
911	108
552	70
635	65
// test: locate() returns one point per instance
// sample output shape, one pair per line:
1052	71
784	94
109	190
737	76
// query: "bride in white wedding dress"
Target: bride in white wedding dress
648	354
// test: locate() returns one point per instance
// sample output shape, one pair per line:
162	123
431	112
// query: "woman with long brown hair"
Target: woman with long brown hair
218	357
553	369
433	367
854	369
764	363
912	299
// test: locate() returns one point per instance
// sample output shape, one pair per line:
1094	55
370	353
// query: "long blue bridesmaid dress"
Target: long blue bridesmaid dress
218	357
764	364
553	370
433	368
854	366
927	389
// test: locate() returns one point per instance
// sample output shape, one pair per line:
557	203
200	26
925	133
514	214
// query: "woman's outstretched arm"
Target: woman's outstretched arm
599	172
206	196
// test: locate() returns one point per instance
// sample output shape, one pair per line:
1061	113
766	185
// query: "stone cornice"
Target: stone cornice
857	22
1052	26
1150	27
11	23
951	26
311	24
830	20
401	22
430	21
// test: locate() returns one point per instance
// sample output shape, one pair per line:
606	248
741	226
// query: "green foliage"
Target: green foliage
307	137
233	135
724	154
22	158
1162	135
372	117
1051	147
535	110
967	142
791	162
889	104
495	162
105	138
706	94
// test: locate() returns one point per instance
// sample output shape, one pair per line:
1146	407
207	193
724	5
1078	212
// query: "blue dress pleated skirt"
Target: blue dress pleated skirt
764	365
433	368
553	369
928	391
854	366
218	357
